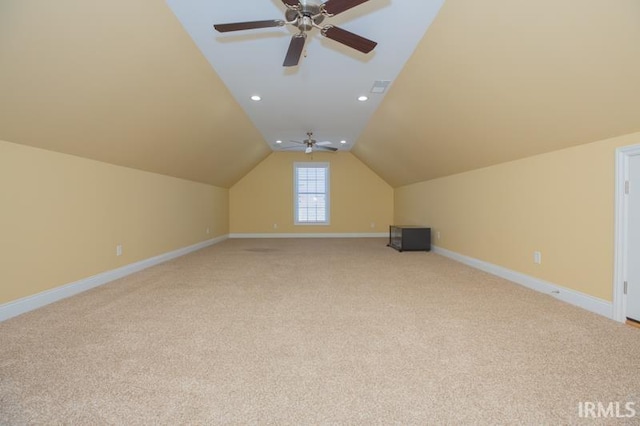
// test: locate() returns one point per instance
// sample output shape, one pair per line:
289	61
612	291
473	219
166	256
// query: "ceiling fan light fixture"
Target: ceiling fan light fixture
308	150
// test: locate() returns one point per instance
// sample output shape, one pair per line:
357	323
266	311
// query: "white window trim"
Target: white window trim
324	165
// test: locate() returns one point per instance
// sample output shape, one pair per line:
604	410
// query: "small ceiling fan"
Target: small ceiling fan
306	15
310	144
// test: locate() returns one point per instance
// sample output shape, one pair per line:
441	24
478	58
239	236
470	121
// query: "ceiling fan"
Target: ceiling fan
311	144
306	15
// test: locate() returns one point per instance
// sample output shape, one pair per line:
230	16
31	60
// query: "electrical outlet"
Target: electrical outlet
537	257
208	230
119	250
437	235
373	224
275	226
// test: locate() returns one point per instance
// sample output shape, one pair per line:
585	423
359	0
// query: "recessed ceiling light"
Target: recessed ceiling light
256	98
278	141
363	98
343	142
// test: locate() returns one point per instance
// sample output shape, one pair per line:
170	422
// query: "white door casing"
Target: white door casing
627	235
633	240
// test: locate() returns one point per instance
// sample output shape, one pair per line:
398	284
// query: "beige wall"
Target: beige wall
560	203
264	197
61	217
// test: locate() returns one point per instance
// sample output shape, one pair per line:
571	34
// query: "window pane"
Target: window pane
312	197
312	208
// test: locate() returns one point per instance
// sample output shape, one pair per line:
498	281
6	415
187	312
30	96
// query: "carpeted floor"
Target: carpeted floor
318	331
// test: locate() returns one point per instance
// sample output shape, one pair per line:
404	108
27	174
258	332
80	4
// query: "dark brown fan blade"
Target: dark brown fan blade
333	7
295	51
350	39
251	25
324	148
292	3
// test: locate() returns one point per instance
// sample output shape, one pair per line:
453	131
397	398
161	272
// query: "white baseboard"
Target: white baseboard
576	298
29	303
313	235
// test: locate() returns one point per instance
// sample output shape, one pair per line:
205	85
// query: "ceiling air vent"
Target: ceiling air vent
380	86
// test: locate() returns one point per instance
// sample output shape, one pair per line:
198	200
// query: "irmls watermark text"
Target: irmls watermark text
616	410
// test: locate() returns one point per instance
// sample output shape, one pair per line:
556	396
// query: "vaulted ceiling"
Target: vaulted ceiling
321	93
491	81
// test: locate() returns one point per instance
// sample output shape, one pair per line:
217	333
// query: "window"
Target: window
311	197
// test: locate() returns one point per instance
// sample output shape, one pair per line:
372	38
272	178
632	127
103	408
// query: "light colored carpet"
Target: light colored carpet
320	331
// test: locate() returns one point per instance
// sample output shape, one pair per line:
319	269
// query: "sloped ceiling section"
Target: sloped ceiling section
121	82
497	80
320	94
493	80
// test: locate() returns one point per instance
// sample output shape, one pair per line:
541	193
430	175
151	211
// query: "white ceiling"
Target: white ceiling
320	94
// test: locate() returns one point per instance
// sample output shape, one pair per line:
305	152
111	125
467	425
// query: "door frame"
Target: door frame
621	231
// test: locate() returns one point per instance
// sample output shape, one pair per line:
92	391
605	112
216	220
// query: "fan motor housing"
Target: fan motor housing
311	14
